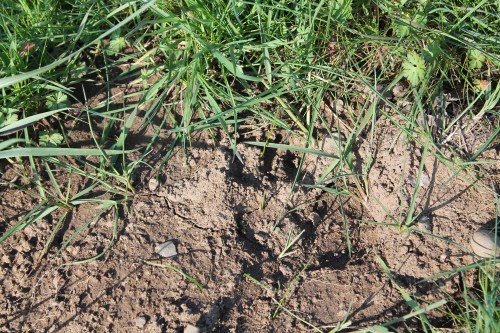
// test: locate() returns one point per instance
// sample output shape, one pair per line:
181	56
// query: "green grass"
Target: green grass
223	64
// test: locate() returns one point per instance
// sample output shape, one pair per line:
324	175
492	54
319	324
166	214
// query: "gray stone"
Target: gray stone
153	184
166	250
140	321
191	329
485	243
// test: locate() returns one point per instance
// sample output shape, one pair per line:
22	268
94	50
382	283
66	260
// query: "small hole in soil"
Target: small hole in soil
336	260
289	165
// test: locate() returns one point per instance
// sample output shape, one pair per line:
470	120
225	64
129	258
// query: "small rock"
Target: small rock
485	243
425	180
140	321
339	105
153	184
444	256
191	329
166	250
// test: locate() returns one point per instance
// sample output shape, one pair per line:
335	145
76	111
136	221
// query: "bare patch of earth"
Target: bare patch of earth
221	215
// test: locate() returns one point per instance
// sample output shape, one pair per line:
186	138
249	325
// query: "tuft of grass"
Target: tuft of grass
44	56
478	311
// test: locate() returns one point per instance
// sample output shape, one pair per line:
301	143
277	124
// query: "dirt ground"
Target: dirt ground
221	216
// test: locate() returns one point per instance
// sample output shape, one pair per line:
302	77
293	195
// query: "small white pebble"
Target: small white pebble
166	250
140	321
191	329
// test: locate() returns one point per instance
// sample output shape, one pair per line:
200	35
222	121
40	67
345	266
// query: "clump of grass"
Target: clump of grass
47	49
479	310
